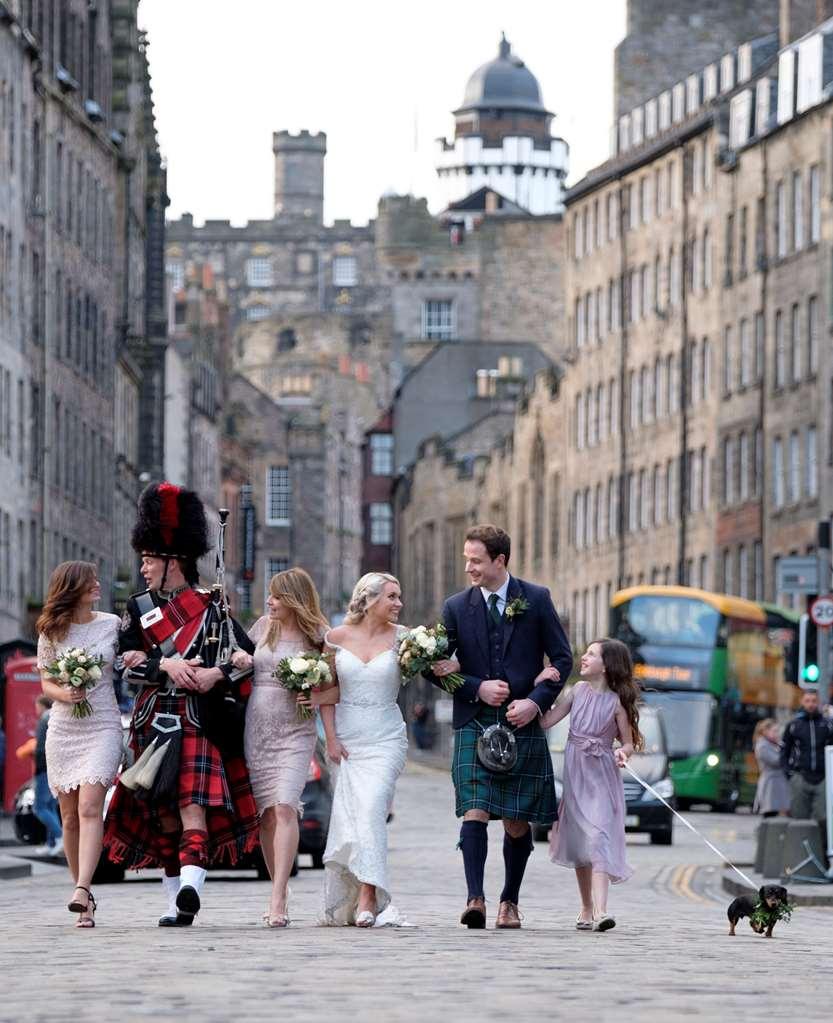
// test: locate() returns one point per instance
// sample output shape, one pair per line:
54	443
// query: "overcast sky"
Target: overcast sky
380	78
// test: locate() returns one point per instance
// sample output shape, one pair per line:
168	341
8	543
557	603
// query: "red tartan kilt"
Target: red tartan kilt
205	778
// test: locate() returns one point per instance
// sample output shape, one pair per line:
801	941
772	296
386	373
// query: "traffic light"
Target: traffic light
808	661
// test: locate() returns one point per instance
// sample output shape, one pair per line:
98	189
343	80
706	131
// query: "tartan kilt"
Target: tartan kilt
133	824
526	793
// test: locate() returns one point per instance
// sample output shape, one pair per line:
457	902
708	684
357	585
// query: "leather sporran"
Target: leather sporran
497	749
223	718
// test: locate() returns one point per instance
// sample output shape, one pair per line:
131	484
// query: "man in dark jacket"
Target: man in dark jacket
45	806
802	758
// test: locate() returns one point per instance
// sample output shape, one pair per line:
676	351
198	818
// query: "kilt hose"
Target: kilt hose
133	824
526	793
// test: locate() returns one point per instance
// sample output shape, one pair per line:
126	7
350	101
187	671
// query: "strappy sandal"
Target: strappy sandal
282	919
365	918
86	922
74	906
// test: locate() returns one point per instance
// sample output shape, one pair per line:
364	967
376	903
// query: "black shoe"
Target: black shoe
180	920
187	903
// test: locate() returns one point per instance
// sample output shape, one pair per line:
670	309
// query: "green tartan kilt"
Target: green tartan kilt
526	793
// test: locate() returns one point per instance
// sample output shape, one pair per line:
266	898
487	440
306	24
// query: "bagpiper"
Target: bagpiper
186	802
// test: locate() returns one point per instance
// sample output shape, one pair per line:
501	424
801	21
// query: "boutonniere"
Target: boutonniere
516	607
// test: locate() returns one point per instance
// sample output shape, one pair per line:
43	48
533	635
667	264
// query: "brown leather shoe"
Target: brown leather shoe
474	915
508	916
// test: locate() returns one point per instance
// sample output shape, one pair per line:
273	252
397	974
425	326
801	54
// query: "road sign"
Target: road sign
821	611
798	574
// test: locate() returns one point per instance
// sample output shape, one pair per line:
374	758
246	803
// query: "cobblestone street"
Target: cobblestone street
669	955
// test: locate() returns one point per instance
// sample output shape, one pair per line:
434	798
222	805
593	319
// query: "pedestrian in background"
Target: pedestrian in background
772	796
802	758
45	807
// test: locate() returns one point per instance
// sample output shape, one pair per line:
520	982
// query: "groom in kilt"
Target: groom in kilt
500	629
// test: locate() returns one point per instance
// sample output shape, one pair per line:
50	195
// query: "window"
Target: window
795	345
811	468
780	220
794	469
633	503
745	475
743	245
728	574
707	260
381	524
798	211
257	312
381	454
658	495
746	353
659	389
612	507
727	361
815	207
743	571
728	470
729	264
758	569
778	473
176	271
278	496
345	271
438	320
259	272
670	495
758	462
759	346
580	423
706	367
780	375
812	335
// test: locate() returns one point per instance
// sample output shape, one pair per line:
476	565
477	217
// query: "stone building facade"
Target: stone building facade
690	437
76	139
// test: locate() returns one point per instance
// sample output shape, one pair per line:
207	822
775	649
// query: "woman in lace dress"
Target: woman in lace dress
279	744
366	738
82	754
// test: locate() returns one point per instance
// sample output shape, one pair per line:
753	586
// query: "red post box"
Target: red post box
19	720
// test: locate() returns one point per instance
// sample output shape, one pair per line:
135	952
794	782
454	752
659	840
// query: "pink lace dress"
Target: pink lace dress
590	830
85	751
278	745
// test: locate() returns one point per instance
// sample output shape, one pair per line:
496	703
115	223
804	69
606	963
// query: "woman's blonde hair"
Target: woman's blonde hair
365	594
296	591
762	726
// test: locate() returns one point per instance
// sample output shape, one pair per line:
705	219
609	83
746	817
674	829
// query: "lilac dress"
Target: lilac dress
590	831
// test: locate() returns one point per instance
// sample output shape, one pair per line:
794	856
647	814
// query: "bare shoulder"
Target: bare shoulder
339	634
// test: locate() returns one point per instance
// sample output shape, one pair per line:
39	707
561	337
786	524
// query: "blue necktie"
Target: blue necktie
493	608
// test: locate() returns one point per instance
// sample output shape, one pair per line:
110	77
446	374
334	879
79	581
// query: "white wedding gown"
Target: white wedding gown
370	726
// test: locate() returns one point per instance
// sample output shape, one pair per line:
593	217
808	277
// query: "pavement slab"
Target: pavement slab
669	956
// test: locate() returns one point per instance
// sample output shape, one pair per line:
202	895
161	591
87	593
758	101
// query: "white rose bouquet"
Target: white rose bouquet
77	669
420	648
303	673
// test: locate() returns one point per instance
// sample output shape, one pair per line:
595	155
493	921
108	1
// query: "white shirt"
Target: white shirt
501	595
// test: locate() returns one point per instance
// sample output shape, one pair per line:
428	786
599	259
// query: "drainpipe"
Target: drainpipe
685	368
622	509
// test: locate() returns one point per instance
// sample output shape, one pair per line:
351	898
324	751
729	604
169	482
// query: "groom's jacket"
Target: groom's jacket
516	655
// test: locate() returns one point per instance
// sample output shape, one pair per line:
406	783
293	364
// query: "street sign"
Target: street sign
798	574
821	611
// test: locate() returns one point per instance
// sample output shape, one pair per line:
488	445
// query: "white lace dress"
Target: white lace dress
85	751
370	725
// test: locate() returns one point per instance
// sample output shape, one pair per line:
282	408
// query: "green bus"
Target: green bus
715	665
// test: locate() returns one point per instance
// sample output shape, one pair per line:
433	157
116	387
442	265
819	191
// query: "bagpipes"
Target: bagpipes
221	711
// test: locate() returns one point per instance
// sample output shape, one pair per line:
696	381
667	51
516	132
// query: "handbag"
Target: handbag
497	749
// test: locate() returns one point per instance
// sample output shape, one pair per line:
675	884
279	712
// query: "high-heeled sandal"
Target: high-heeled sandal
282	919
74	906
87	922
365	918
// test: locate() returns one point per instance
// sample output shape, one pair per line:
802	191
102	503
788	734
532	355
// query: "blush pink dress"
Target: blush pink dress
278	744
590	830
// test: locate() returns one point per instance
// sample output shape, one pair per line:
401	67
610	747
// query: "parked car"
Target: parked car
643	812
316	797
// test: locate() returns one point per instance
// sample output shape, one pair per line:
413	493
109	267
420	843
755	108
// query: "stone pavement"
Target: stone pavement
670	955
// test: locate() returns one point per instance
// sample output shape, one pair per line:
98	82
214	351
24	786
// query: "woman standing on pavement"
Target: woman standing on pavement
83	754
772	796
279	743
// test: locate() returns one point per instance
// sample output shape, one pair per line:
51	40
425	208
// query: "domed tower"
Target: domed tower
502	139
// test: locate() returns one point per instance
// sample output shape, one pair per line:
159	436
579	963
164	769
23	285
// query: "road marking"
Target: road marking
681	883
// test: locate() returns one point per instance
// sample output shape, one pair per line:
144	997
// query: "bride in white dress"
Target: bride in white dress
367	740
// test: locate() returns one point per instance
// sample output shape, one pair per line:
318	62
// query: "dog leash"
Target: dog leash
690	827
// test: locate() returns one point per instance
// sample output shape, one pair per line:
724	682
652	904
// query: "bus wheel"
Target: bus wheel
728	805
683	803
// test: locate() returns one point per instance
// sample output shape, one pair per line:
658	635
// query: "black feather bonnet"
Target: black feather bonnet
171	523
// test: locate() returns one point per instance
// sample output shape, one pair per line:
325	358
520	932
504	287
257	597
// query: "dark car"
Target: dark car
317	798
643	812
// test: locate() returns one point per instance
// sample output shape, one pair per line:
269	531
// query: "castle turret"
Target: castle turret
299	175
502	139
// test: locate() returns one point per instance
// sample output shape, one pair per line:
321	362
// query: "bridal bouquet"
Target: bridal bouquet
77	669
303	673
420	648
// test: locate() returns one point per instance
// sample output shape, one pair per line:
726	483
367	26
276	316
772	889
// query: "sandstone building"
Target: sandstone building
80	173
